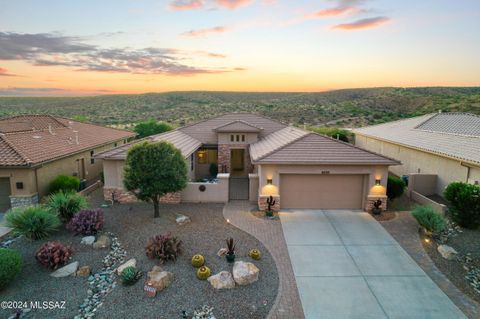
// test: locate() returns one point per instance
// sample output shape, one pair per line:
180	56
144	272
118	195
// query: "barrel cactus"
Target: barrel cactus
130	275
203	273
255	254
198	261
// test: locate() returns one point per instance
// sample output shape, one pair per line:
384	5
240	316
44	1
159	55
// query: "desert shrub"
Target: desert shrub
334	132
395	187
33	222
66	204
87	222
163	247
64	183
151	127
464	204
213	169
10	266
428	218
53	254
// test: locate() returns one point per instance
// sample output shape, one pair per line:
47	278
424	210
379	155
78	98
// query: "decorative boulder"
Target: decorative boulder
245	273
88	240
102	242
447	252
65	271
222	280
182	219
83	271
130	263
159	279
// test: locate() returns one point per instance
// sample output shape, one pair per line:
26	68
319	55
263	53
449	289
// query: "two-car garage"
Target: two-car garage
322	191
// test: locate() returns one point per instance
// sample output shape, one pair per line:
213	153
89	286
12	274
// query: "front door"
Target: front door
5	193
237	160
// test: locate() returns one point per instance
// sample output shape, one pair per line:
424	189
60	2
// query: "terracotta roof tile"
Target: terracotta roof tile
275	141
20	148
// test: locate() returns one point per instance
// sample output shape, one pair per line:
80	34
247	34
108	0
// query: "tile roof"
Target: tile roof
20	147
238	126
274	141
454	135
313	148
204	130
185	143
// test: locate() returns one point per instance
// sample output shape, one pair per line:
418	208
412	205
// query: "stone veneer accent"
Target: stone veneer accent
373	198
224	157
122	196
262	202
24	200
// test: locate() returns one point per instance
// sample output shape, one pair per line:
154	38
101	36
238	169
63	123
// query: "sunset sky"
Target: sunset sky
135	46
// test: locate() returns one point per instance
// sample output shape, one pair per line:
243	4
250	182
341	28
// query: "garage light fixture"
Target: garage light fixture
269	181
377	182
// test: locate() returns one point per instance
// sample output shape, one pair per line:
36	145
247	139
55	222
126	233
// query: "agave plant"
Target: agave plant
33	222
130	275
66	204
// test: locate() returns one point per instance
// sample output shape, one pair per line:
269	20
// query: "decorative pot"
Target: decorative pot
230	258
376	211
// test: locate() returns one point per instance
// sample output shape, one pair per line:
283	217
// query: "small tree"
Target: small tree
395	187
464	204
153	170
151	127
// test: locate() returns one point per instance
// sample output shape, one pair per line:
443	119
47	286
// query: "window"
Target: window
202	157
191	162
115	144
92	160
243	138
238	138
232	138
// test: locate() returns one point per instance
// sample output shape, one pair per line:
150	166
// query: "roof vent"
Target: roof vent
36	136
76	137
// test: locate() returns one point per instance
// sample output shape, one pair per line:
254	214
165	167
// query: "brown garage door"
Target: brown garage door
321	191
4	194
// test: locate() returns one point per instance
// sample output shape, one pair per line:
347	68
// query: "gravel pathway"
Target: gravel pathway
205	235
404	228
288	304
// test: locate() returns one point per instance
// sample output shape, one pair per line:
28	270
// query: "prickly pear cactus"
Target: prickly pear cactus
203	273
198	261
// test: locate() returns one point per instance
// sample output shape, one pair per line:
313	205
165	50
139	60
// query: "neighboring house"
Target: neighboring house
34	149
261	157
443	144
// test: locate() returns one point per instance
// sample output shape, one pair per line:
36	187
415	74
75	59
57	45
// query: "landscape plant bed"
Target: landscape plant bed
205	235
261	214
34	282
384	216
465	242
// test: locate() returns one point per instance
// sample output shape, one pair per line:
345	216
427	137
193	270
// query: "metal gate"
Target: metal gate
238	188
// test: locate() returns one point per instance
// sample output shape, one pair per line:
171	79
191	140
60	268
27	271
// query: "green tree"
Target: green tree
151	127
395	187
153	170
334	132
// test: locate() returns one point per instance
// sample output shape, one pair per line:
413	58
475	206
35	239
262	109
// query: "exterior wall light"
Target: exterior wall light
269	181
378	182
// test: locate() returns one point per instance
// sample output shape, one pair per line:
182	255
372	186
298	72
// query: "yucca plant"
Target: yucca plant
66	204
33	222
130	275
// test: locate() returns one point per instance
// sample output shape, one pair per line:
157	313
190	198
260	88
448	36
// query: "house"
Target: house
258	157
34	149
444	147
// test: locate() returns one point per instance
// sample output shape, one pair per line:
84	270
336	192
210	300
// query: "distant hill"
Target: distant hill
347	108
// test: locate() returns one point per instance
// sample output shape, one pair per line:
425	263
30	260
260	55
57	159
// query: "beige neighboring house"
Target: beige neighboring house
258	157
34	149
442	146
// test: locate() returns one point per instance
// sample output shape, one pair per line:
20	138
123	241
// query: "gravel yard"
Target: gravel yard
133	225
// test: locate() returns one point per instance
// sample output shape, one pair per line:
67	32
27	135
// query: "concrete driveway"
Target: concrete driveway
347	266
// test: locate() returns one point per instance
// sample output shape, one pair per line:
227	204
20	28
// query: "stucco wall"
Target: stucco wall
113	173
371	173
415	161
24	175
213	193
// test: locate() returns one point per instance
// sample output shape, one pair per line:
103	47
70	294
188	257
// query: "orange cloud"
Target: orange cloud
201	33
186	4
362	24
333	12
4	72
233	4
